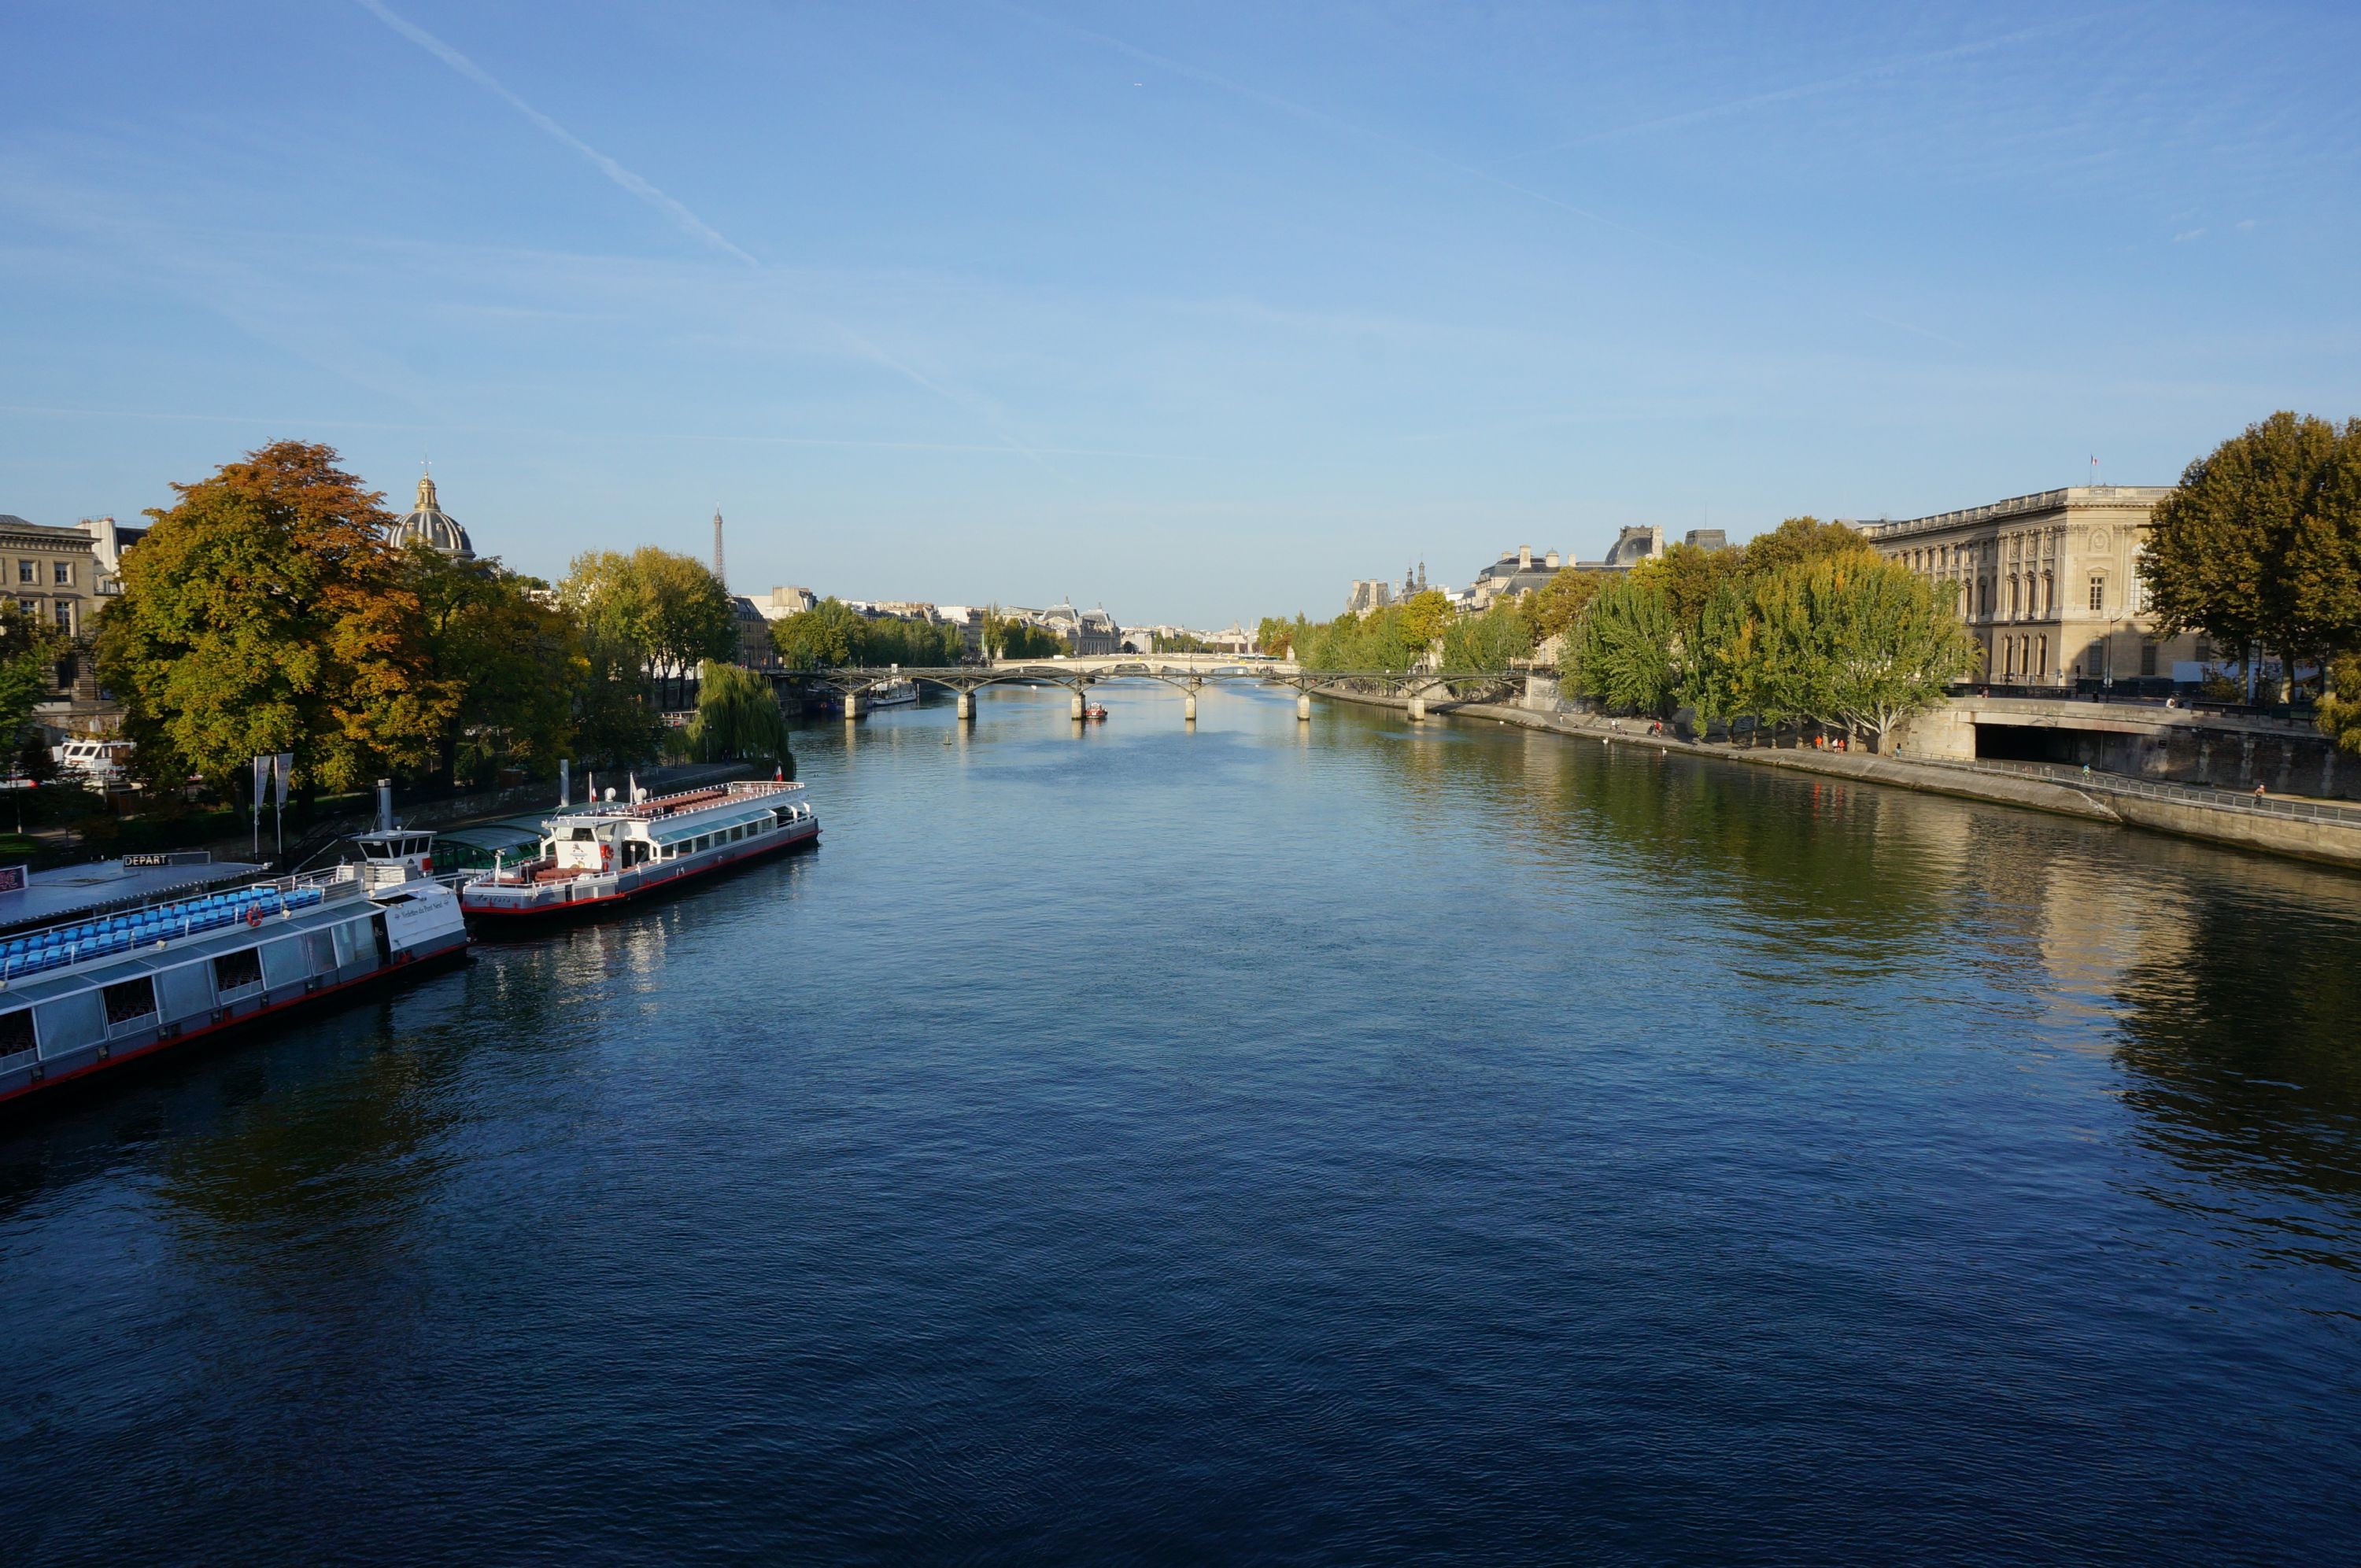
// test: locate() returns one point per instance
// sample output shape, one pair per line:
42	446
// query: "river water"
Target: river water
1332	1142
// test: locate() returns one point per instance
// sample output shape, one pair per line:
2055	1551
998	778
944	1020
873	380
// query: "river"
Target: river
1332	1142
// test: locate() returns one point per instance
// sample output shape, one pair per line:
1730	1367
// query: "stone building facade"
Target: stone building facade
53	575
2049	585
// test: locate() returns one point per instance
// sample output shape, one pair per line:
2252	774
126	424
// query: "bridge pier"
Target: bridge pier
967	704
1077	706
1189	707
1418	707
1304	707
852	706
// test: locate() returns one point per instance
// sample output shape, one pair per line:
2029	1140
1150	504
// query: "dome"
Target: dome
430	524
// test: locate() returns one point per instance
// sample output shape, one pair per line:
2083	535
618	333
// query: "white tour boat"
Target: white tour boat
609	852
102	990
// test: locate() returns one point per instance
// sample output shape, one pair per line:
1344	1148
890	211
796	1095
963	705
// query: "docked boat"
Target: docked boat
609	852
80	996
1096	713
890	693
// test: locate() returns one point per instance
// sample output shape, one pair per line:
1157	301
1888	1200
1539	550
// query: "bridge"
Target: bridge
1191	673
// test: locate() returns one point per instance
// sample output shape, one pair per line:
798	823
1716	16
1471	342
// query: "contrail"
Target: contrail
688	222
1807	90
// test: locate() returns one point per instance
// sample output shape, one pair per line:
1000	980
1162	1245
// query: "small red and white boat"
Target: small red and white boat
609	852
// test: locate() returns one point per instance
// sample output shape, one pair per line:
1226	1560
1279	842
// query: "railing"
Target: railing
2211	799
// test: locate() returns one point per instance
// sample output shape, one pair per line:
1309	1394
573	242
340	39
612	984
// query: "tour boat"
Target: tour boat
1096	713
99	991
609	852
891	693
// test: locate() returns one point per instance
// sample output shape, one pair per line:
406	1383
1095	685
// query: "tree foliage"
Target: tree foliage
738	718
1626	648
665	608
2259	545
1849	640
1006	637
1798	540
1276	637
1555	606
265	613
825	636
1488	642
30	648
512	663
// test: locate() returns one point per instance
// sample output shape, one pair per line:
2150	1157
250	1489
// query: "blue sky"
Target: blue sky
1198	311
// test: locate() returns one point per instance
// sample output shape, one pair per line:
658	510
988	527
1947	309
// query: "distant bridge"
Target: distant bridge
1191	673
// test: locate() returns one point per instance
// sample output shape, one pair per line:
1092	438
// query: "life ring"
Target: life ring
253	915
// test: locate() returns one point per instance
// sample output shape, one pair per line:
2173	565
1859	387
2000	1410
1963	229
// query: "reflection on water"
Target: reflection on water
1341	1139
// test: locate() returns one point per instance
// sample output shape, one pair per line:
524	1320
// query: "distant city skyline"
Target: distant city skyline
1202	312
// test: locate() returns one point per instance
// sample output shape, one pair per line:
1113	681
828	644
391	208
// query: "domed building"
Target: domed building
428	523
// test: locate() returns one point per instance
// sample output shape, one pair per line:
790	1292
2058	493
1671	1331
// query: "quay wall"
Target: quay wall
2332	842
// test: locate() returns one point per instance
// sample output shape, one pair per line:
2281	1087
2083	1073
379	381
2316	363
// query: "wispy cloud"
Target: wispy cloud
687	222
683	219
1809	89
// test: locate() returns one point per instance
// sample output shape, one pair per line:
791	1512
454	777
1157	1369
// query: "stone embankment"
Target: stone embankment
2104	799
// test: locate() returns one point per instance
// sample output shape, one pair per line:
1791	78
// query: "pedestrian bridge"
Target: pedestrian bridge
1191	673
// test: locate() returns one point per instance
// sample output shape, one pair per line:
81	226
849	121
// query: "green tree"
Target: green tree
1626	646
1181	642
1016	639
738	718
660	605
1854	641
1421	621
2243	549
30	648
916	644
828	636
1276	637
265	613
513	664
1482	644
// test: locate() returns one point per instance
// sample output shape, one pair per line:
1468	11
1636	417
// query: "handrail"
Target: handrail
2213	799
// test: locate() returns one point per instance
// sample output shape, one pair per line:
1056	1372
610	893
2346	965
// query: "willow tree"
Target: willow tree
738	718
265	613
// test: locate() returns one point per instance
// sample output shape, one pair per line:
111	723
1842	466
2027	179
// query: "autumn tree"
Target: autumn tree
265	613
1555	606
1799	540
1276	637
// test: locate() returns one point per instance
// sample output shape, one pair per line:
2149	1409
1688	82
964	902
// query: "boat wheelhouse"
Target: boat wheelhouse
609	852
86	994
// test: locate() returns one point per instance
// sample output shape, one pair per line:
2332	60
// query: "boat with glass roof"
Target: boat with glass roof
84	994
609	852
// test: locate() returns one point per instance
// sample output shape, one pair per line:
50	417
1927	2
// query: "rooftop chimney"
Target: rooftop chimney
1524	557
1550	560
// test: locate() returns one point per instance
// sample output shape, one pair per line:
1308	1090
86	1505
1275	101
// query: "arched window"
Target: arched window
2016	605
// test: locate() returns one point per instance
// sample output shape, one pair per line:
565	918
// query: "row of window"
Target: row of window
28	573
707	841
2026	658
2034	597
62	608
